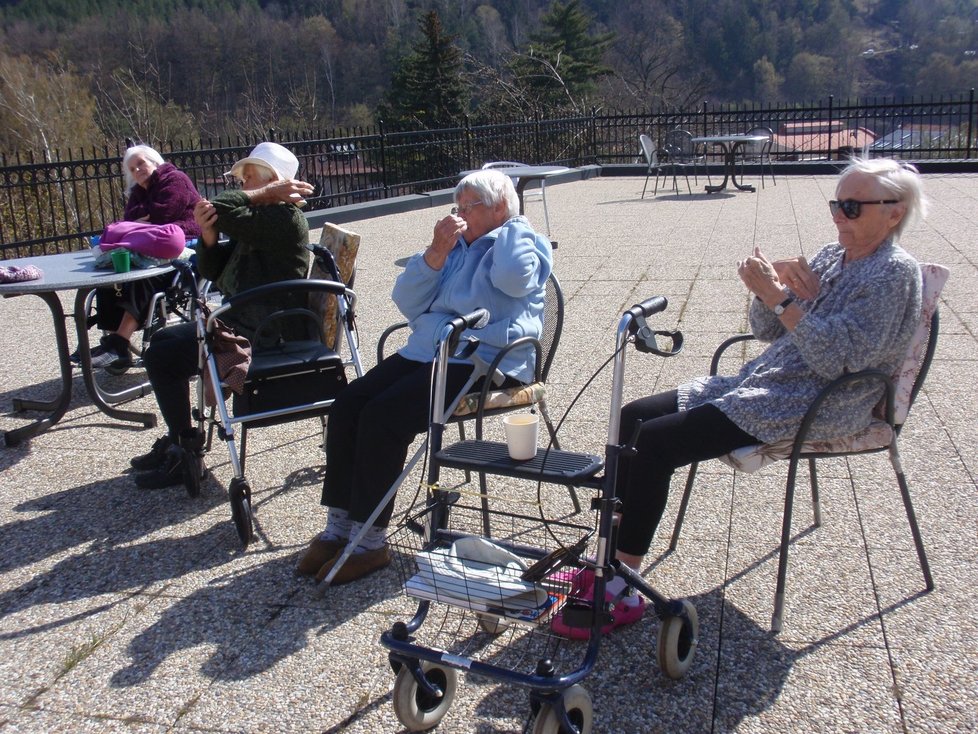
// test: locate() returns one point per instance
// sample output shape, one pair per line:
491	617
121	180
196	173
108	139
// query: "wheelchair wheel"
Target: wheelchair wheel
417	710
193	471
676	642
240	495
580	711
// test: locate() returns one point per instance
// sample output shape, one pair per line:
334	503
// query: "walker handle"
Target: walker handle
648	307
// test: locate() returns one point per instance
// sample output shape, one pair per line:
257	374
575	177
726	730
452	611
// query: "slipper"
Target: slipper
623	614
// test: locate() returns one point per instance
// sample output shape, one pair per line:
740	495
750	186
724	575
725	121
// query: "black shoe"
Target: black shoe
154	459
168	474
192	443
118	356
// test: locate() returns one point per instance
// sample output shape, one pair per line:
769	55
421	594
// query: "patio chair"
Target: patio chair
491	401
900	389
759	153
679	145
543	186
661	163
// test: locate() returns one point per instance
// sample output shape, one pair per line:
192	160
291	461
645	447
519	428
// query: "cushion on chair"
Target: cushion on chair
934	278
509	398
749	459
344	245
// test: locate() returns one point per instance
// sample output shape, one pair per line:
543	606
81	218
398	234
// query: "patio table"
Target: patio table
730	145
65	272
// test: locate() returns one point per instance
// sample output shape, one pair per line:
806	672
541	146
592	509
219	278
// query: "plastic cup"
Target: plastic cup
521	435
120	260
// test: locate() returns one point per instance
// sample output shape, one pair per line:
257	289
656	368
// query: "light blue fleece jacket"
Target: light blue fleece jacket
504	271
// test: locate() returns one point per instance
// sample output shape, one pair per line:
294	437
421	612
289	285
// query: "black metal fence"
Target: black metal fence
54	205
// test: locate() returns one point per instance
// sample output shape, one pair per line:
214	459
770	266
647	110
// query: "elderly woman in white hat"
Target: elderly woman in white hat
267	235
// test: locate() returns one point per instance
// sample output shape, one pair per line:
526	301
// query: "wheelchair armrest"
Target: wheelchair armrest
863	375
724	345
382	343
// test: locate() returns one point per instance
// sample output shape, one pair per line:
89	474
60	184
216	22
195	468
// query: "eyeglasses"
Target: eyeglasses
463	210
853	208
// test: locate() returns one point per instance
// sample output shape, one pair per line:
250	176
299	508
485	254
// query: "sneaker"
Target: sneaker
317	554
100	357
118	353
168	474
623	614
155	457
357	566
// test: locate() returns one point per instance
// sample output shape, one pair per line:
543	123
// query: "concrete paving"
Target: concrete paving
135	611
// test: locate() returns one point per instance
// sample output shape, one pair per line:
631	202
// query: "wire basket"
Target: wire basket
494	598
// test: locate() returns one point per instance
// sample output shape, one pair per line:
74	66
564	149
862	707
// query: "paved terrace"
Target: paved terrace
130	611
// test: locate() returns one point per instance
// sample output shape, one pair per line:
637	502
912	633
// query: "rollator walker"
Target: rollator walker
485	605
294	373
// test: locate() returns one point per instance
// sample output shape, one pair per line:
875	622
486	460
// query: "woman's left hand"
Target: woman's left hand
761	278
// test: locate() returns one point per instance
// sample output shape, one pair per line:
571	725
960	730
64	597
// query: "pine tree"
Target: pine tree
560	66
428	89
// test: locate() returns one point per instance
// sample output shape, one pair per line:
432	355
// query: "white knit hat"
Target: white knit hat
272	156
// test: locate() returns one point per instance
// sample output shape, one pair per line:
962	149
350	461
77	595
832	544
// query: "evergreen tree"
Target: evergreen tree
428	89
560	66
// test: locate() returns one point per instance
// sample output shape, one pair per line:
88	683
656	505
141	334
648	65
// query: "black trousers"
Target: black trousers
370	428
669	438
170	361
112	303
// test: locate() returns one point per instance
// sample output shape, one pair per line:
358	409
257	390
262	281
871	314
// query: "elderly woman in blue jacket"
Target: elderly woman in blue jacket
483	255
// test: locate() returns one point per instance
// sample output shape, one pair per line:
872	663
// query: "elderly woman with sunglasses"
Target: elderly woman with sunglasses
854	306
482	255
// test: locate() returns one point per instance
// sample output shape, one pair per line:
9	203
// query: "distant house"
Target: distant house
818	139
341	170
910	141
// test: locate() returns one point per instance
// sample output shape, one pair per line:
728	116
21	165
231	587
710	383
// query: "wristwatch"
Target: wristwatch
779	309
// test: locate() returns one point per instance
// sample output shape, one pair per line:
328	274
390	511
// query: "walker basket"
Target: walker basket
479	588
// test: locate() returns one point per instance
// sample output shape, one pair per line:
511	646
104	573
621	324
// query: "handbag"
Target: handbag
232	353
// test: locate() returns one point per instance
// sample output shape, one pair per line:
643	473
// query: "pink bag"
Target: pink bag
162	241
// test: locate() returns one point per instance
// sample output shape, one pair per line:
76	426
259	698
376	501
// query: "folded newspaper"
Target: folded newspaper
477	574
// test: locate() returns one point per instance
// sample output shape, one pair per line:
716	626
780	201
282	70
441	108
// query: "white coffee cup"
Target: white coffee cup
521	435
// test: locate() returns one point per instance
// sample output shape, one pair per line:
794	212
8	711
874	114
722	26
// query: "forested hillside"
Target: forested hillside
87	72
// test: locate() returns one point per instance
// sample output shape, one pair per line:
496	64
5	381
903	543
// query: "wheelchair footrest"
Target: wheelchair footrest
558	467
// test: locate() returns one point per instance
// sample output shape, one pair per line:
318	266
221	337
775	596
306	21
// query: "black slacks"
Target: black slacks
669	438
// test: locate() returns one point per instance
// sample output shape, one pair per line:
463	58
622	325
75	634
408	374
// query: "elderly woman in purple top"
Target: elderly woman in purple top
854	306
159	193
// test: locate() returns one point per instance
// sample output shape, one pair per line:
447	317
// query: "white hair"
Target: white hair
898	180
147	152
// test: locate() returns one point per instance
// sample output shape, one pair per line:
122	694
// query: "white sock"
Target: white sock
372	540
338	525
617	585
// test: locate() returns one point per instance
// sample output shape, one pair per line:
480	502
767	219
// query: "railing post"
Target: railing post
829	152
383	157
467	132
592	138
971	126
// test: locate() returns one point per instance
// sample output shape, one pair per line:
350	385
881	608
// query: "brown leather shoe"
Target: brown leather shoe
357	566
318	552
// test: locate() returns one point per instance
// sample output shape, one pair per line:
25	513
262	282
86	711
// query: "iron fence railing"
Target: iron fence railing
54	205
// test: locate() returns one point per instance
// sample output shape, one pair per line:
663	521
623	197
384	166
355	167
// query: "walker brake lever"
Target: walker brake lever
645	339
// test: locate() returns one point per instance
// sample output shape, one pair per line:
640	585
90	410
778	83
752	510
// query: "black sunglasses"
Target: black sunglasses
853	208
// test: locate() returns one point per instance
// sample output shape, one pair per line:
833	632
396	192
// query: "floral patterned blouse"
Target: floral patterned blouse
863	317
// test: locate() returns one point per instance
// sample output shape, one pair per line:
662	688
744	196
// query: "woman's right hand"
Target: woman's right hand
206	217
795	273
443	242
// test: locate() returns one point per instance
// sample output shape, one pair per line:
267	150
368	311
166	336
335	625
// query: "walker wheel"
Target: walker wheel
492	624
417	710
240	495
676	642
580	711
